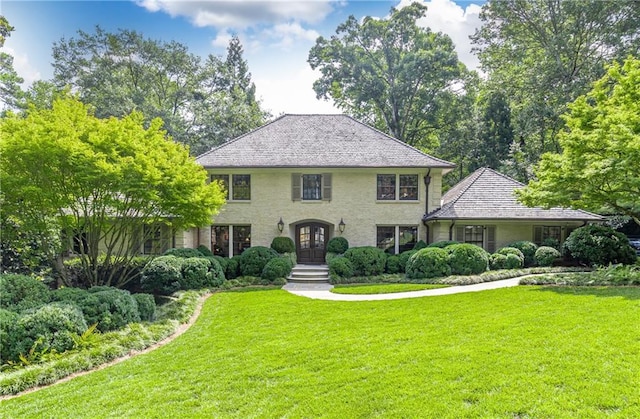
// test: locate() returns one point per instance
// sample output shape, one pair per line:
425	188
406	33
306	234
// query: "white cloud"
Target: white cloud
448	17
286	34
239	14
222	38
23	67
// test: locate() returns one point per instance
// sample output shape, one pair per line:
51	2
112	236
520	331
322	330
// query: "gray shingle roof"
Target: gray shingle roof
317	141
487	194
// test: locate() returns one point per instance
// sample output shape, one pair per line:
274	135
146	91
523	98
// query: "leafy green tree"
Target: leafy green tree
10	90
599	167
121	72
391	74
543	54
63	169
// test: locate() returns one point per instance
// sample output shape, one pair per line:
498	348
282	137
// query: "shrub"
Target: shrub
467	259
215	276
545	256
512	251
146	306
497	261
442	244
194	273
337	245
551	242
513	262
204	251
528	250
111	308
8	330
393	265
75	275
222	261
162	275
283	245
330	256
404	259
340	267
71	295
599	245
53	325
293	258
183	253
366	260
21	292
233	267
254	259
420	245
276	268
430	262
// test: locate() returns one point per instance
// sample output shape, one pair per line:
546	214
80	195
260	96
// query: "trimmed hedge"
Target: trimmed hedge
111	308
545	255
22	292
430	262
599	245
340	267
194	273
497	261
442	244
277	268
8	338
162	275
404	259
394	265
366	260
232	270
146	307
254	259
528	250
283	245
512	251
467	259
204	251
421	244
337	245
183	253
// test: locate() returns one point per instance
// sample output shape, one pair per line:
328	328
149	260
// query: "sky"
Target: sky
276	34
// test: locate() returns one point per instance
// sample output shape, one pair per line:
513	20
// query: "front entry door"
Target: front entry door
310	243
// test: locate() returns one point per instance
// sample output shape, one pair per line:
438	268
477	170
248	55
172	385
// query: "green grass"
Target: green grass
524	352
382	288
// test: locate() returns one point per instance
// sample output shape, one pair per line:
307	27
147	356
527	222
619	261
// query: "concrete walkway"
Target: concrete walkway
323	291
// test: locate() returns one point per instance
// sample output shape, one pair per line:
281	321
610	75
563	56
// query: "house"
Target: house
482	209
314	177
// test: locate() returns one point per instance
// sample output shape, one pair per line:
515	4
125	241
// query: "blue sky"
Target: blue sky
277	34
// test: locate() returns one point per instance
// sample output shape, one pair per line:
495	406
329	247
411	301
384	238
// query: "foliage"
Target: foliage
420	244
513	251
467	259
204	251
513	262
162	275
254	259
195	273
599	245
110	308
366	260
612	275
184	253
146	306
21	292
545	256
283	245
442	244
276	268
497	261
600	160
430	262
233	267
222	261
528	250
8	333
394	264
63	169
390	73
404	259
329	256
75	273
340	267
337	245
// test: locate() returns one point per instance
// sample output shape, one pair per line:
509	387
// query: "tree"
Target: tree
11	93
121	72
64	170
390	73
599	167
543	54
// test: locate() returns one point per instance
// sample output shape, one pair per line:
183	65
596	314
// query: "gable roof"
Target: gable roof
317	141
487	194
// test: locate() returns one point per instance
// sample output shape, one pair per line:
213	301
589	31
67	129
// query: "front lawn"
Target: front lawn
382	288
516	352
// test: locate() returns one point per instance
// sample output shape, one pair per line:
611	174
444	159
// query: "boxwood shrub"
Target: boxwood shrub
512	251
513	262
404	259
233	267
254	259
394	265
8	338
498	261
162	275
340	267
337	245
183	253
277	268
366	260
545	255
467	259
283	245
194	273
22	292
430	262
111	308
204	251
442	244
146	306
599	245
528	250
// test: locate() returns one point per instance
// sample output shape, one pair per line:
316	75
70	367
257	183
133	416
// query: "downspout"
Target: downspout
453	223
427	181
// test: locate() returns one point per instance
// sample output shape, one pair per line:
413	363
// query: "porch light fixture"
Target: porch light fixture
280	225
341	225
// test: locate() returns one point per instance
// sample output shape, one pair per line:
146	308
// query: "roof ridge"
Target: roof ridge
505	176
476	175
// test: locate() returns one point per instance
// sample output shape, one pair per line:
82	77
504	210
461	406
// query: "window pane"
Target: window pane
386	239
223	180
474	235
154	243
305	237
409	187
220	240
242	187
318	239
386	187
241	239
551	235
311	187
408	238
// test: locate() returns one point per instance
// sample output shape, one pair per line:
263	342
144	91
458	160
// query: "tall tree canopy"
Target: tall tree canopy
63	169
203	103
599	167
391	73
543	54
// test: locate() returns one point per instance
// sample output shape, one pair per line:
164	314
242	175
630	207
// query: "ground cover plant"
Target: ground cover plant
515	352
382	288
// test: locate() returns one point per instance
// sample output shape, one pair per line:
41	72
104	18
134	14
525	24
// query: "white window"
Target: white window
480	235
397	187
396	239
311	187
239	189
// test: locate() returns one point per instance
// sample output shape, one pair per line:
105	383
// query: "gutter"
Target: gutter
427	182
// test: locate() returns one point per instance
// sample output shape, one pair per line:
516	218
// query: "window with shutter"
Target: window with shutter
326	186
296	186
459	234
491	239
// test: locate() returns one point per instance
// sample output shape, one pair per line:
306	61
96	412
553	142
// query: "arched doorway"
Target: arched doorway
310	242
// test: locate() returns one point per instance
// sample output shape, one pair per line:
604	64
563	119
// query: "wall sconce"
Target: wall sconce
280	225
341	225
